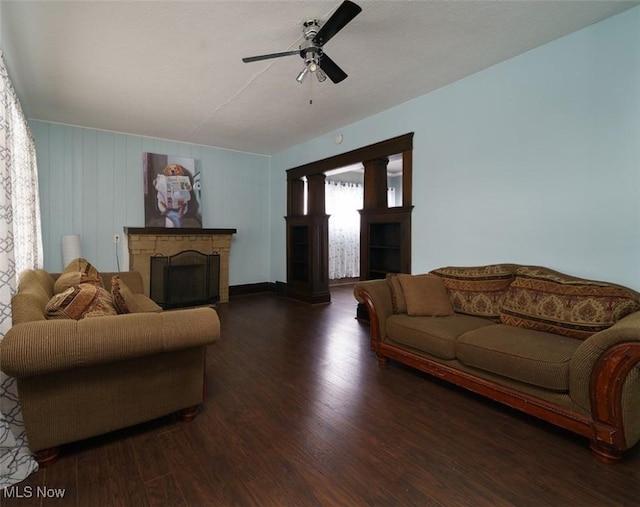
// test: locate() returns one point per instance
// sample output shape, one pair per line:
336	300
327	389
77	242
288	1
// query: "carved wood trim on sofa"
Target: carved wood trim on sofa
605	429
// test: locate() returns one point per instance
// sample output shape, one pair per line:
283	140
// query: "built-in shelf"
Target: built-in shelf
385	233
385	242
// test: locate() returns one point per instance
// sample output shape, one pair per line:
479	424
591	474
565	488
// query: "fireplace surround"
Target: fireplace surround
188	278
147	242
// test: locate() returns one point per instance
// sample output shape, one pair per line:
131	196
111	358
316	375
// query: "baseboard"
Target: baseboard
281	288
251	288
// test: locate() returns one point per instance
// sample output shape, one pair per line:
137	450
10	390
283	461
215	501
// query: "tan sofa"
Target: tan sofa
81	378
560	348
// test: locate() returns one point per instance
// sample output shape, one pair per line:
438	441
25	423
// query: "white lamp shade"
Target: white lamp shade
70	248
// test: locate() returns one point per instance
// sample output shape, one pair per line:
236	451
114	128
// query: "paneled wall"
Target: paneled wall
535	160
90	183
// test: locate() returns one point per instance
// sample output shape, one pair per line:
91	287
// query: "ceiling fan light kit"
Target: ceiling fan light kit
315	60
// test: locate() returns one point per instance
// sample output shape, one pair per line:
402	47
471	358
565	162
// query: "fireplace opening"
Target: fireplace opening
188	278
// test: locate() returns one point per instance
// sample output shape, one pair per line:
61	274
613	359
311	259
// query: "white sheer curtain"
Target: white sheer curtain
342	202
20	248
391	197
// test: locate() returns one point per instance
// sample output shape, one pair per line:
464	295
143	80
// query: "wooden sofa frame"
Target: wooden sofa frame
605	429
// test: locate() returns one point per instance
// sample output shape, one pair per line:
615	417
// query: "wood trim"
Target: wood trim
392	146
407	178
555	414
605	428
605	390
251	288
188	414
47	457
315	288
177	231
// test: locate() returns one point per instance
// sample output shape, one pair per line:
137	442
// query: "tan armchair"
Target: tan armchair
78	379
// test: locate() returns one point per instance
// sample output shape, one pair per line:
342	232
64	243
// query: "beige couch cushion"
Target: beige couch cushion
433	335
425	295
477	290
537	358
546	300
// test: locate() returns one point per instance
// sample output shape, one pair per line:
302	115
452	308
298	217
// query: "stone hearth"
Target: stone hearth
145	242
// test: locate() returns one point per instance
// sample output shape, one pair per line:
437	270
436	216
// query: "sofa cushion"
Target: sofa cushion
76	272
535	357
433	335
81	301
546	300
477	290
425	295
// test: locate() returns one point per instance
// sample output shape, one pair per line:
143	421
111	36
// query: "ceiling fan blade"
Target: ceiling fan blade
343	15
270	55
331	69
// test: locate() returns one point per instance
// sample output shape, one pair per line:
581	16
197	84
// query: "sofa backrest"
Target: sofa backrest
36	288
538	298
477	290
546	300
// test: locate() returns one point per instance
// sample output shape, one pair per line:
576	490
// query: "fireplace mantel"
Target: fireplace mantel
146	242
173	231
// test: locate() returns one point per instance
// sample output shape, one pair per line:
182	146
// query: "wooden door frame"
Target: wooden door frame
384	149
401	144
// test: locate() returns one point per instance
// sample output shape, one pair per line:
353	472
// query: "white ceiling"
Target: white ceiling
173	70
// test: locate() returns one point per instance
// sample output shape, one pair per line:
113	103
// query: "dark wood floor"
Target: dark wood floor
298	413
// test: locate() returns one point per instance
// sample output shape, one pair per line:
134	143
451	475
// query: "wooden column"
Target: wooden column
295	198
375	183
316	200
307	242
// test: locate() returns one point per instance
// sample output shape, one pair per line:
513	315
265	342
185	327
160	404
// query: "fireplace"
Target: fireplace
144	243
187	278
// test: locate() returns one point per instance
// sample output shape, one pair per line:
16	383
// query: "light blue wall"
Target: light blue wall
90	183
534	160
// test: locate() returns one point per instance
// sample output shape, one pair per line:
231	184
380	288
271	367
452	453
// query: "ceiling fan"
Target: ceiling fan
315	59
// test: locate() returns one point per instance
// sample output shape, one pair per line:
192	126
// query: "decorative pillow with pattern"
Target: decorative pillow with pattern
79	302
546	300
477	290
123	298
77	271
398	303
127	301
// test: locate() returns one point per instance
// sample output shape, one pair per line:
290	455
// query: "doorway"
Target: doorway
382	166
344	199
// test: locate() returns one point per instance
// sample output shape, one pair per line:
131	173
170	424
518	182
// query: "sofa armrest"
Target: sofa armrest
376	295
36	348
586	356
604	379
